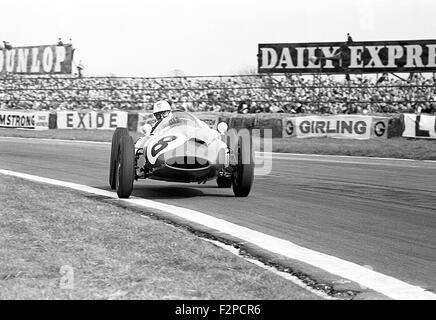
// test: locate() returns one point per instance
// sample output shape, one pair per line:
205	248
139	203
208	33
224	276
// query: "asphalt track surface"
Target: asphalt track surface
373	212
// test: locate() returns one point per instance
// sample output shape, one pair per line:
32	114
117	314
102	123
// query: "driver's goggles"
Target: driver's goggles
161	115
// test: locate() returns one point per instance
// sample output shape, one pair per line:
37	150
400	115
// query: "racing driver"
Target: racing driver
162	110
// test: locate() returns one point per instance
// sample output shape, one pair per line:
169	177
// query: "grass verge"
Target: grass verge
405	148
59	244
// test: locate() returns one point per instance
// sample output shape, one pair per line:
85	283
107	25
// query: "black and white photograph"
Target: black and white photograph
218	159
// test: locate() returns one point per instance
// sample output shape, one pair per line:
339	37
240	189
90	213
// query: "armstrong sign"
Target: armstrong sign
355	57
37	60
24	119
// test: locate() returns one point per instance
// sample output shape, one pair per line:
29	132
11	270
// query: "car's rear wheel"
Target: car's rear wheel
243	173
125	167
119	132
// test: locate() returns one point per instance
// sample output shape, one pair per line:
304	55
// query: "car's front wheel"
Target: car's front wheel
119	132
125	167
243	173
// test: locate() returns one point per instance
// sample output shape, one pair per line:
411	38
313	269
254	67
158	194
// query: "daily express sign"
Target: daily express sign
355	57
50	59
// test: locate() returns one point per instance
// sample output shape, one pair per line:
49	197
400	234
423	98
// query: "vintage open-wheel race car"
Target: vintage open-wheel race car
182	148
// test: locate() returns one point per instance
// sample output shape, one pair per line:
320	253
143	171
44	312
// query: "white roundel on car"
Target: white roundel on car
222	127
161	144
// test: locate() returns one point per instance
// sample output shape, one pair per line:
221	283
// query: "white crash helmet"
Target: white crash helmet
161	106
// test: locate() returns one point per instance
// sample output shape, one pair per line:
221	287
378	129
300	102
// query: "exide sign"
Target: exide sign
106	120
354	57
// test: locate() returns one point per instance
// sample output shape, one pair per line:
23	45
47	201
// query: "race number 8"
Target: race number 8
161	144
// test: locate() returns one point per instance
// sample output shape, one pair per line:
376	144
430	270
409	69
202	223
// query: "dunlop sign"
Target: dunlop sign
51	59
355	57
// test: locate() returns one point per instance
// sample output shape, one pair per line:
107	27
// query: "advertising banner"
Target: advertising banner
344	127
42	119
49	59
104	120
419	126
348	57
340	126
24	119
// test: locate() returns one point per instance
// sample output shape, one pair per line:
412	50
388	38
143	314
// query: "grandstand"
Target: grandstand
316	94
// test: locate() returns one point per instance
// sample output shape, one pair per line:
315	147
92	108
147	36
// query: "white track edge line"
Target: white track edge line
386	285
58	140
282	274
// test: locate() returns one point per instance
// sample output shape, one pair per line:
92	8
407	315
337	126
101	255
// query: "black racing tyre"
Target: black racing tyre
223	182
125	167
243	175
119	132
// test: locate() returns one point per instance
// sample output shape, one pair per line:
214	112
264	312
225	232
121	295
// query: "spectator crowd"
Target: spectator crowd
317	94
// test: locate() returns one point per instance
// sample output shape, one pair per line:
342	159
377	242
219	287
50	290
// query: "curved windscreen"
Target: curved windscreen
179	118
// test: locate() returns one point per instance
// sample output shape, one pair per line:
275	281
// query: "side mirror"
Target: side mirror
146	129
222	127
